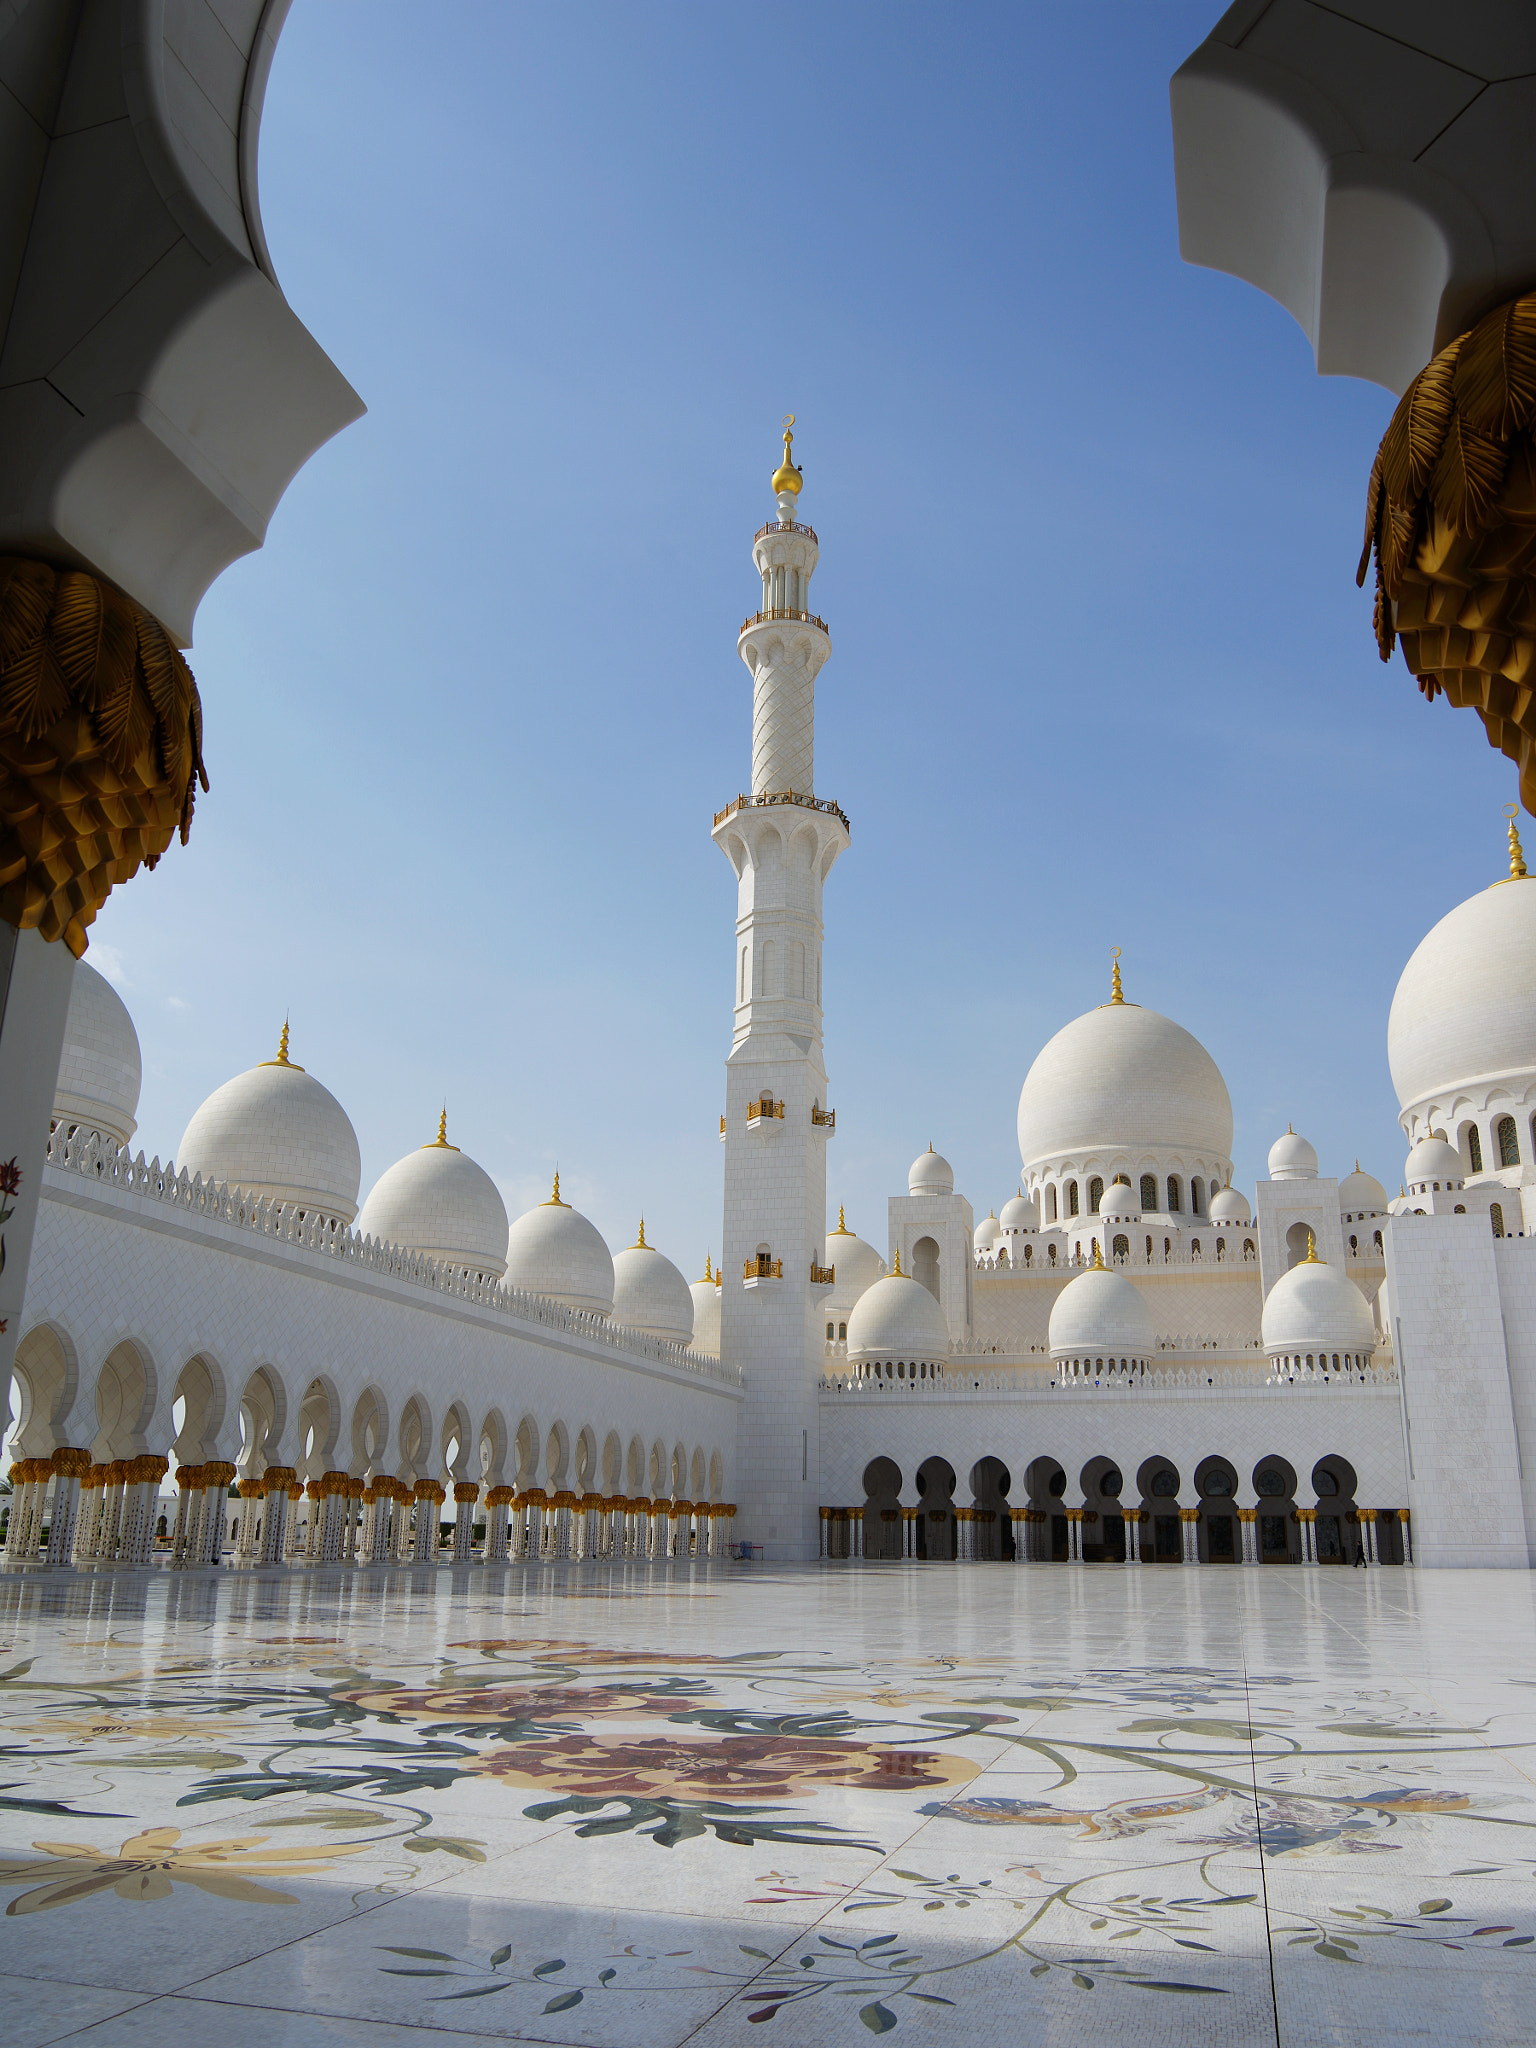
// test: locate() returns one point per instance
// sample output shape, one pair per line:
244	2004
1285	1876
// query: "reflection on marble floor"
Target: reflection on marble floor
727	1803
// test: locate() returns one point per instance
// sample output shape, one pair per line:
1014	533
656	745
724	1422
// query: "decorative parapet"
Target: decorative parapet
962	1379
106	1166
785	526
798	618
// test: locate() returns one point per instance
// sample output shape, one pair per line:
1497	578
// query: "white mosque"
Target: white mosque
231	1359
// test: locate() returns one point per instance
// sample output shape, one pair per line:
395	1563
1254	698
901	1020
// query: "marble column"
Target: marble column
276	1481
1407	1529
465	1493
497	1501
1307	1517
189	1484
1189	1519
1074	1535
1368	1534
429	1497
1248	1518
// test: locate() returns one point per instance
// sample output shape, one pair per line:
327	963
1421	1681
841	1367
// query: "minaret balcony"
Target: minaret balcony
763	798
784	526
761	1271
824	1119
822	1276
795	618
764	1111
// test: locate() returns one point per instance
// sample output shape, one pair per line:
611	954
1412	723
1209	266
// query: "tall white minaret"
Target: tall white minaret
781	839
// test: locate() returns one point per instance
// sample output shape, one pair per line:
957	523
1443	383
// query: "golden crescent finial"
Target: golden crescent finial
789	419
1116	991
787	477
1518	871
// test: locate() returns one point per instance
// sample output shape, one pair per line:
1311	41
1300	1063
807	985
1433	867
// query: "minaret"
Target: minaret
781	839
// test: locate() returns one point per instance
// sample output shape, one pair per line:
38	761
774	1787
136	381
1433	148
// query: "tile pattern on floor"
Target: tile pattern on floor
625	1807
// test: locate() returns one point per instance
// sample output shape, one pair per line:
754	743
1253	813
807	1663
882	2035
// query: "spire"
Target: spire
1312	1259
440	1142
787	477
1116	992
1517	867
1098	1258
709	1274
842	1225
640	1244
554	1201
896	1270
282	1059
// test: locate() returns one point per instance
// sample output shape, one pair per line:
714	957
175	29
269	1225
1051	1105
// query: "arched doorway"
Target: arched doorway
925	1265
1335	1533
1298	1240
1278	1534
1103	1538
992	1531
882	1509
1045	1482
1219	1529
1157	1482
936	1522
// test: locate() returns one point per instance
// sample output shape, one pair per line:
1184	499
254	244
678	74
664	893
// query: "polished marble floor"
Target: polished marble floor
733	1804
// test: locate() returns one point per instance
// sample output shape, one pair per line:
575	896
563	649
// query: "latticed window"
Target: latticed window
1509	1142
1071	1197
1095	1194
1149	1191
1175	1195
1474	1149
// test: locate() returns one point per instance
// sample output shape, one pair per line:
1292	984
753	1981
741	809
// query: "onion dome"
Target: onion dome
275	1132
1292	1158
1362	1194
1433	1164
897	1320
554	1251
787	477
650	1295
1118	1200
1122	1079
437	1201
99	1069
1314	1308
1020	1212
856	1265
1101	1316
1230	1205
930	1174
706	1312
1462	1020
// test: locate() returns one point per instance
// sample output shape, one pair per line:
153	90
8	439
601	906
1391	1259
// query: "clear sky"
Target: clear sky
1089	521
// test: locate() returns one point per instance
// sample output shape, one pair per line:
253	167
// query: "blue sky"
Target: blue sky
1089	519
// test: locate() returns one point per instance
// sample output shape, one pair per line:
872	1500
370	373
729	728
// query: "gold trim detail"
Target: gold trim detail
440	1142
787	477
282	1059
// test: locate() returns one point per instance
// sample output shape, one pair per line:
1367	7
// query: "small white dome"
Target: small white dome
554	1251
1292	1158
275	1132
987	1234
1020	1212
1101	1315
897	1319
706	1316
1230	1205
1431	1160
1119	1200
930	1174
856	1266
100	1070
650	1295
1362	1194
438	1201
1316	1308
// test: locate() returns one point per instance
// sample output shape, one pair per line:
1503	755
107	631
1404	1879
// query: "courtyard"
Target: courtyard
722	1803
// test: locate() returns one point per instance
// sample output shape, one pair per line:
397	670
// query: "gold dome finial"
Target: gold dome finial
1517	868
1312	1259
640	1244
1098	1256
896	1269
1116	991
554	1201
786	477
709	1272
842	1224
282	1059
440	1142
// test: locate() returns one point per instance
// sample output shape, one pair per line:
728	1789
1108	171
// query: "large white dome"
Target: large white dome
706	1314
1101	1315
898	1320
1316	1308
650	1295
554	1251
100	1070
1462	1019
1122	1079
275	1132
438	1201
